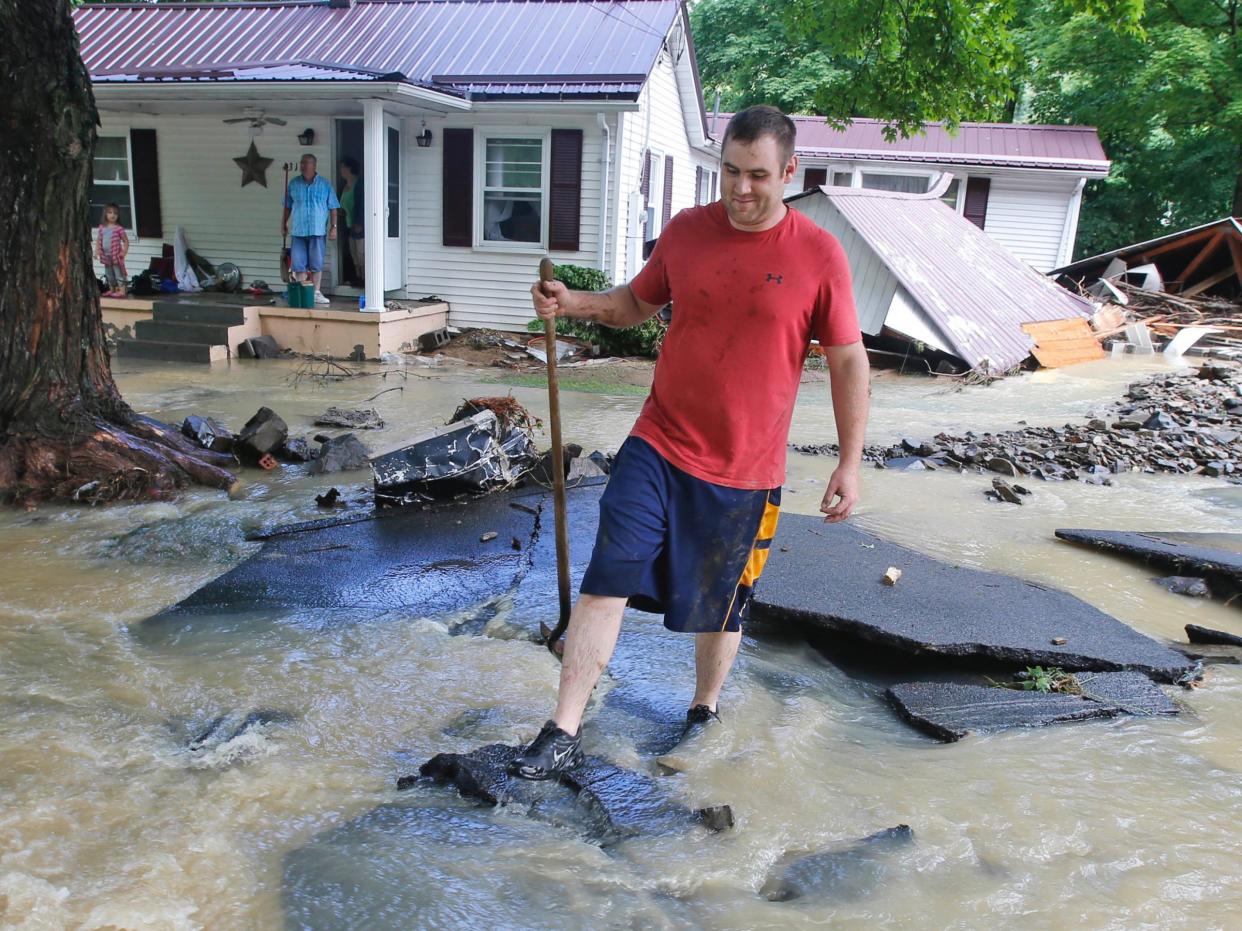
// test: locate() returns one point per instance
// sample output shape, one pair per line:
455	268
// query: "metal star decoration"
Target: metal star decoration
253	166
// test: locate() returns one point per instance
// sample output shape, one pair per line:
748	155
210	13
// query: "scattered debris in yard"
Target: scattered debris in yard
368	419
489	444
891	575
329	499
1181	424
1183	289
1186	585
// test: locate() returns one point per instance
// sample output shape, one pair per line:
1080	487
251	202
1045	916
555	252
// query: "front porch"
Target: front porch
208	327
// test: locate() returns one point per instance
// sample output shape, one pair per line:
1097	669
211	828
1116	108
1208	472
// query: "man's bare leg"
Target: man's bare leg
593	628
713	658
316	277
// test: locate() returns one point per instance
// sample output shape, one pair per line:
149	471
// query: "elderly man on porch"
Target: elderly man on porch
312	203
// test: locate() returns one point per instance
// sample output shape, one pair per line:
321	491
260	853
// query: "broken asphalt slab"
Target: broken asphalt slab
602	802
845	873
950	711
826	579
1206	635
1216	557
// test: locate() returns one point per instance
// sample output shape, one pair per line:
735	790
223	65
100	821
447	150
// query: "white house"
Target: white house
498	132
1021	184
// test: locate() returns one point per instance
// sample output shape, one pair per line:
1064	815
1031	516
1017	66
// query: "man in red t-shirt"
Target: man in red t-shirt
692	502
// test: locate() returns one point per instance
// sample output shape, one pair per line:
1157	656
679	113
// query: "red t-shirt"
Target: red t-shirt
745	308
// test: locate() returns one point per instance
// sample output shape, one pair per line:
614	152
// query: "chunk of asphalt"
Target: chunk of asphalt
1216	557
844	873
950	711
610	804
940	612
1197	634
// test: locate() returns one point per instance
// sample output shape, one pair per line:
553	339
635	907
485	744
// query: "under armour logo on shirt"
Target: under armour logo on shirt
777	278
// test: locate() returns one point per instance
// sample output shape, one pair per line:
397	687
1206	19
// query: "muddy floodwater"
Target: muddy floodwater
108	820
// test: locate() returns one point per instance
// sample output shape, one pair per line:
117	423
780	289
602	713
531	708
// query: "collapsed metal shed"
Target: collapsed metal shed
924	274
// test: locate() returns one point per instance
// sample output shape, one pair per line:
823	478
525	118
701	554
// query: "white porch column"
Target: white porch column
375	186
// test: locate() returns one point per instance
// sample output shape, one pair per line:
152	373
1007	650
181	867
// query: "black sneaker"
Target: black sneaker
552	752
699	716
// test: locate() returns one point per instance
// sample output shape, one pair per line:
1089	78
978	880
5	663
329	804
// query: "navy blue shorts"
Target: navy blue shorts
676	545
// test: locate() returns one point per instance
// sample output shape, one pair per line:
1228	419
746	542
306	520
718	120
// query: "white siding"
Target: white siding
1026	214
659	124
874	285
200	188
488	287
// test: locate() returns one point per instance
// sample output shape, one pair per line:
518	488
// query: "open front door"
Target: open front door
394	213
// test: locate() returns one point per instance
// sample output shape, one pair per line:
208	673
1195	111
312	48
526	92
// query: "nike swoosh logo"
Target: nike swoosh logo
559	758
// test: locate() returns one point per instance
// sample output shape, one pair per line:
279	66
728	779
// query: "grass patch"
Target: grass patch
585	385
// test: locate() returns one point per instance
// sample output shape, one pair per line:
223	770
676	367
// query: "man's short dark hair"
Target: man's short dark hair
761	120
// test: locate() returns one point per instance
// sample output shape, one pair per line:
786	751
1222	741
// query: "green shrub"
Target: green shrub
641	340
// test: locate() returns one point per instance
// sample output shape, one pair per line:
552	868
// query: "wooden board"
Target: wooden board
1063	342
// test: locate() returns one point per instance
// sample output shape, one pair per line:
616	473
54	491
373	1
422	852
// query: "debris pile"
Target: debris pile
1182	424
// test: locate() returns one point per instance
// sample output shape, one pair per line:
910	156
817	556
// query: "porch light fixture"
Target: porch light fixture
306	137
424	138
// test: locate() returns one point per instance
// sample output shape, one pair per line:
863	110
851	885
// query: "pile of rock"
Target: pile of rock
265	442
1183	424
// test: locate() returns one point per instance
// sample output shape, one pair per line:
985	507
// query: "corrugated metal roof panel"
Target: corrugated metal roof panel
976	292
1013	145
529	44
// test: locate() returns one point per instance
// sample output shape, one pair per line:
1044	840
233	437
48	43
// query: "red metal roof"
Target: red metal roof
492	47
1012	145
976	292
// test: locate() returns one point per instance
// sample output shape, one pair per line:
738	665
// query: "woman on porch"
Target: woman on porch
352	198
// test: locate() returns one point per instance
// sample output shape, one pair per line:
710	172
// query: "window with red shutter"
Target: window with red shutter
565	195
976	207
813	178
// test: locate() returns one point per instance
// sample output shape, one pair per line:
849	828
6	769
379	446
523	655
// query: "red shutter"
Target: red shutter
565	195
145	160
668	191
814	177
458	211
644	180
976	208
698	185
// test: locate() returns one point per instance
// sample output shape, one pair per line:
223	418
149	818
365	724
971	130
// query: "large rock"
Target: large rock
1216	557
846	873
825	579
207	433
343	453
950	711
263	433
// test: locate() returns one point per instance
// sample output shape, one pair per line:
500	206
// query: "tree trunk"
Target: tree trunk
65	432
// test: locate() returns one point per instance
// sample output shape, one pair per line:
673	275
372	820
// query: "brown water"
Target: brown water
107	821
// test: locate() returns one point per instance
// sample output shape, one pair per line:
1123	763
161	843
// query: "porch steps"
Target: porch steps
165	351
184	331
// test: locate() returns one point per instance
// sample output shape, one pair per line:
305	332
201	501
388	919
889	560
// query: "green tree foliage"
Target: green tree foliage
908	62
1167	101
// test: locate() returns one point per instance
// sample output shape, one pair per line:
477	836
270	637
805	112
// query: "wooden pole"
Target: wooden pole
547	273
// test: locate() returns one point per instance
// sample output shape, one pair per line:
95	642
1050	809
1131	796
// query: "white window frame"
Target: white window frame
132	229
655	197
481	135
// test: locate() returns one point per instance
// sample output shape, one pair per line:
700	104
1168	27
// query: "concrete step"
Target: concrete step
198	312
179	331
165	351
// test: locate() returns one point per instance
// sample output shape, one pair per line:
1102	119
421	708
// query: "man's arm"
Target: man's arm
284	222
332	224
616	307
850	375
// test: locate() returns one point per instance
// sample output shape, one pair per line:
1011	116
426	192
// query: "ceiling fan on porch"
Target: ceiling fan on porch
256	118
